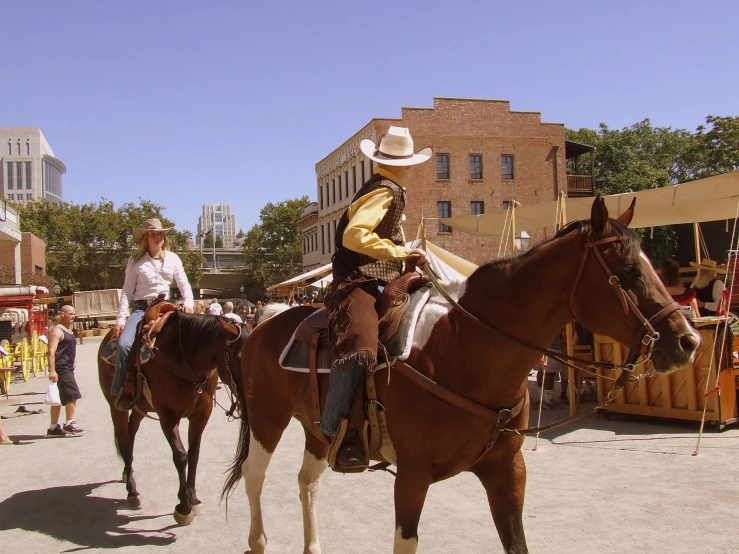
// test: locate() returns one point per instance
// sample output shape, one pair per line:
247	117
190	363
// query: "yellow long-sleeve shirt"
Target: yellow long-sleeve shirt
365	214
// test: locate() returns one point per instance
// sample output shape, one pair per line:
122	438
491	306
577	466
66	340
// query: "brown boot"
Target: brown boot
350	455
124	400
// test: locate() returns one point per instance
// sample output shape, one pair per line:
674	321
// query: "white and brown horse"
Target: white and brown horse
531	297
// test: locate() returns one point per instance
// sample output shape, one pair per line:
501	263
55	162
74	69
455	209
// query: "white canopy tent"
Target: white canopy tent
710	199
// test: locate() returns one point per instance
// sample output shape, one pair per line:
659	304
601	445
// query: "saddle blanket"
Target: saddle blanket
110	350
295	356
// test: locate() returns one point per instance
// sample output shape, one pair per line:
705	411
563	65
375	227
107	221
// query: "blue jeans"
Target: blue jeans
342	385
123	355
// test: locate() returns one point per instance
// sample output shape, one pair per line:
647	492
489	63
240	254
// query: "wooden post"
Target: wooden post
696	238
571	385
513	226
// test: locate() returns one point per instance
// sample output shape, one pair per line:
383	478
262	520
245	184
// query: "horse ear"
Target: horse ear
599	216
626	217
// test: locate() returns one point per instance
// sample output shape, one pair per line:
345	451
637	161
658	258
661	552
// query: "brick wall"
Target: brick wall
459	127
33	256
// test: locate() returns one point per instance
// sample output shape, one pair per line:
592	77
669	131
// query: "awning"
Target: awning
300	279
710	199
323	282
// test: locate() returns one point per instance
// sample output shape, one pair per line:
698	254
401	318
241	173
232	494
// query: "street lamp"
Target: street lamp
241	291
57	290
523	239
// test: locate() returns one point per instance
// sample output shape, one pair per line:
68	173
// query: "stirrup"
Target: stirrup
123	400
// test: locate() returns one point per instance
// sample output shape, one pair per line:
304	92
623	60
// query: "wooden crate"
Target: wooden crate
678	395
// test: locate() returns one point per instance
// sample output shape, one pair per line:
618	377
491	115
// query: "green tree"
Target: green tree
240	234
219	241
272	249
717	148
208	239
88	245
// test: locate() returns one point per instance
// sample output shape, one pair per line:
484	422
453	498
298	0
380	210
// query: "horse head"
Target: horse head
618	294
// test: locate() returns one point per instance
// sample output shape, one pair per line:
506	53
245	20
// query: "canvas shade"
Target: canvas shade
300	279
710	199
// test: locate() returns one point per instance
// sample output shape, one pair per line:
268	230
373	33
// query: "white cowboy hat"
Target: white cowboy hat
149	225
708	265
395	148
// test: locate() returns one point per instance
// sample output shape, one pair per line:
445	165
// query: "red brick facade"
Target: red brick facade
33	259
459	128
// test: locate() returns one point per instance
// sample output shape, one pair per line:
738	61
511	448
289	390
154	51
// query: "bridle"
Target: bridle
644	342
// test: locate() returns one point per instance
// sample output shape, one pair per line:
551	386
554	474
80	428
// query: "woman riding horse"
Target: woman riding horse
148	275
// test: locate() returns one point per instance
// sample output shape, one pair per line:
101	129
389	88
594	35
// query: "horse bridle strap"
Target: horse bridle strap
501	416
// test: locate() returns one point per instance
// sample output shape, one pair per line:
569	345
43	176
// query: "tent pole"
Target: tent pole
513	227
696	237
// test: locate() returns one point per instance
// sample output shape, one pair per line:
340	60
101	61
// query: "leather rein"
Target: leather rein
643	346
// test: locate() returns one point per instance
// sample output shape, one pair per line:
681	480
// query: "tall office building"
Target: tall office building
30	171
218	217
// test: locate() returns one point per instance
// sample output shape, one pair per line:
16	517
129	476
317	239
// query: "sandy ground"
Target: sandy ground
621	486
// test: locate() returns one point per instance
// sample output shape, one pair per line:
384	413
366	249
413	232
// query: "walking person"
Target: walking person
228	312
149	274
62	363
215	308
370	250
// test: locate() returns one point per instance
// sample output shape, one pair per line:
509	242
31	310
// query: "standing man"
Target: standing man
62	362
370	249
708	288
228	311
215	308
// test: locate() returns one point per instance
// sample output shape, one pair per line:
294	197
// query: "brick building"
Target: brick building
485	156
32	260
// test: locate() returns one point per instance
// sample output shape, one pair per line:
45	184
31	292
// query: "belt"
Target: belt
140	304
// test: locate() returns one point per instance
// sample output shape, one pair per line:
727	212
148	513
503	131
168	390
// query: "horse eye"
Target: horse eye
630	268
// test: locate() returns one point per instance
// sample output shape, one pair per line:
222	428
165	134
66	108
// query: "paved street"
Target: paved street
625	485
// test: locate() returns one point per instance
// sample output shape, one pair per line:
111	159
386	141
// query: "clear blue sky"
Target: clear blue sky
185	102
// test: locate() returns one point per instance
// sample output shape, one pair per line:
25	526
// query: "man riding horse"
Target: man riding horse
370	249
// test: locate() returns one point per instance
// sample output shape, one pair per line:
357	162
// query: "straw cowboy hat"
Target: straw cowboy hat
395	148
149	225
708	265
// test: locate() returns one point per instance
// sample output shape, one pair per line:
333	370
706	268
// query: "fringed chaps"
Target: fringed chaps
353	322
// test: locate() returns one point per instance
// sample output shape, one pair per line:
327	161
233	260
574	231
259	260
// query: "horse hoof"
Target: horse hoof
197	509
183	519
134	502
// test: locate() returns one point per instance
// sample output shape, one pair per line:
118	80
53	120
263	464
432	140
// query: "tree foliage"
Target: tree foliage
208	239
88	245
642	157
272	249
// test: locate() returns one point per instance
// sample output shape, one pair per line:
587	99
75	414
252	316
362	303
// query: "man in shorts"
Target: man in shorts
62	361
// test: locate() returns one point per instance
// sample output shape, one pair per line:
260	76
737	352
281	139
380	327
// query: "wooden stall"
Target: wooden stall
678	395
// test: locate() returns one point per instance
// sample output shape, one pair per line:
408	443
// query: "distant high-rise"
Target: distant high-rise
217	216
29	169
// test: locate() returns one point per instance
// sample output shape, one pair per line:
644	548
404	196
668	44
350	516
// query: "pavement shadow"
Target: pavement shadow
72	514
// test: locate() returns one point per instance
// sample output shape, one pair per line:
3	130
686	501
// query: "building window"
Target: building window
506	167
28	175
29	197
19	175
11	197
354	177
506	204
362	172
340	187
333	196
10	176
328	197
475	166
442	166
346	182
477	207
323	241
320	195
444	209
10	148
28	147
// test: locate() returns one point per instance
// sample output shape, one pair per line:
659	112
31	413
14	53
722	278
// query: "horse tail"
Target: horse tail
242	450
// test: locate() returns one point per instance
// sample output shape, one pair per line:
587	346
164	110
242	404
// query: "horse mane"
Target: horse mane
628	246
198	328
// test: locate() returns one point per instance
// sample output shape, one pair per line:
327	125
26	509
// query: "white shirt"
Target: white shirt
147	278
233	316
215	309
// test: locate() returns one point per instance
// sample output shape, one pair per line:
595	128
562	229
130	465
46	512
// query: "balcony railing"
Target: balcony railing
580	185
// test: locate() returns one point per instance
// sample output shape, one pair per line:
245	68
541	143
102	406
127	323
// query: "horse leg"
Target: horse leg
194	437
505	484
122	441
411	487
171	428
309	479
254	470
133	427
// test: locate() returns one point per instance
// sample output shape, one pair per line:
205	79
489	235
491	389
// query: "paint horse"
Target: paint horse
592	270
190	352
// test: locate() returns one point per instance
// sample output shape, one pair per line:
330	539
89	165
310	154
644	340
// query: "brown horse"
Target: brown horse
191	351
531	296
